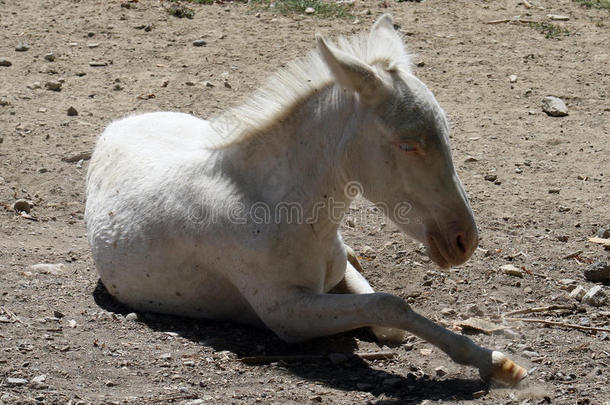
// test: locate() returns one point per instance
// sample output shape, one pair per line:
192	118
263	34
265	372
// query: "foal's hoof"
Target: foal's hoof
504	371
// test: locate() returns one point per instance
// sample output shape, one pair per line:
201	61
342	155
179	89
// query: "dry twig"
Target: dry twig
560	324
540	309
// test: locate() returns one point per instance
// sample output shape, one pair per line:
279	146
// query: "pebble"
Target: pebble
53	85
93	45
132	316
23	205
554	106
5	62
208	84
491	177
38	383
554	190
530	354
72	112
22	47
447	311
595	297
604	232
598	272
48	268
578	293
512	78
310	10
34	86
512	270
195	402
558	17
199	42
440	371
49	57
368	251
16	381
474	309
97	64
165	356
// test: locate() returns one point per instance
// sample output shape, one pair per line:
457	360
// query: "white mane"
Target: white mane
289	87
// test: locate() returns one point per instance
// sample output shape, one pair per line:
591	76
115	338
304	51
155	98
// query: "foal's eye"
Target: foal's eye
408	147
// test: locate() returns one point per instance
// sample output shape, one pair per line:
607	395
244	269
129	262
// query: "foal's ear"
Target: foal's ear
384	37
352	73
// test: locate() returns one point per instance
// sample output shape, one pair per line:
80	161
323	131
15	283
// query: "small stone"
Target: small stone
227	84
554	190
97	64
512	270
310	10
189	83
72	112
470	159
604	232
48	268
58	314
23	205
554	106
72	323
474	309
21	47
5	62
447	311
368	252
491	177
110	383
34	86
595	297
195	402
257	15
132	316
199	42
512	78
165	356
558	17
440	371
38	383
118	87
53	85
93	45
598	272
479	394
16	381
208	84
337	358
530	354
578	293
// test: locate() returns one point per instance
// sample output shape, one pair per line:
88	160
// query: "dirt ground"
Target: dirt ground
64	340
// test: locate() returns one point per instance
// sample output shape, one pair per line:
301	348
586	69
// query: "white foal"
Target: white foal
237	218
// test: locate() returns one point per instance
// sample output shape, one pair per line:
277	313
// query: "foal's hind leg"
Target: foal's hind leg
355	283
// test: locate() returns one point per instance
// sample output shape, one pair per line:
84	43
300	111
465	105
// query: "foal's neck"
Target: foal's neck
303	158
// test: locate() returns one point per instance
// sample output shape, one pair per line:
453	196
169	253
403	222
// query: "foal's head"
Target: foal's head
401	154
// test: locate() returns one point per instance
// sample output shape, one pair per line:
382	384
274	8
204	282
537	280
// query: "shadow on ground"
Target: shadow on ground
352	374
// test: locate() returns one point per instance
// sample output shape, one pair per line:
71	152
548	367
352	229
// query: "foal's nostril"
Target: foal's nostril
460	243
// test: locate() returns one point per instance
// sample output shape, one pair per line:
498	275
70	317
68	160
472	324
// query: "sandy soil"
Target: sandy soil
550	195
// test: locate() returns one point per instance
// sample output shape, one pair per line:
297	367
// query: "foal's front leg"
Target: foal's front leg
354	283
297	314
